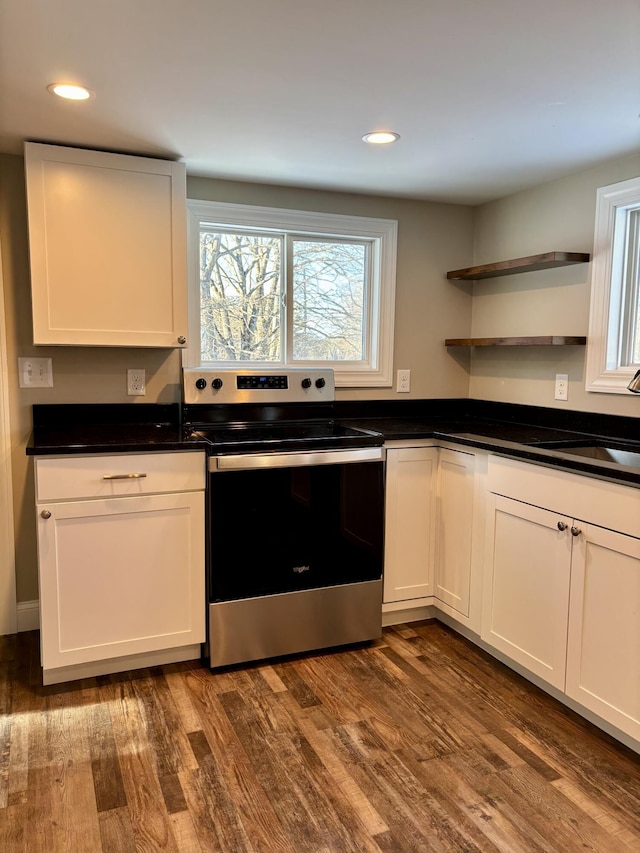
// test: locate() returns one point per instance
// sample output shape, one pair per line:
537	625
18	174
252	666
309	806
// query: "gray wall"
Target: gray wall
432	238
557	216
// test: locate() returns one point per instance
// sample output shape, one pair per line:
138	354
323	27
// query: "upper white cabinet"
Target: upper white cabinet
107	237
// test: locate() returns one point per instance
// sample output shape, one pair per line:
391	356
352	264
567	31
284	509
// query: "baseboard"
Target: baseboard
28	615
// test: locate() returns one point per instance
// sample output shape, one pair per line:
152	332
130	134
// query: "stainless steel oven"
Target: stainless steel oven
296	519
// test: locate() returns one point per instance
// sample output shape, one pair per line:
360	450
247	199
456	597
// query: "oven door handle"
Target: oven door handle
242	461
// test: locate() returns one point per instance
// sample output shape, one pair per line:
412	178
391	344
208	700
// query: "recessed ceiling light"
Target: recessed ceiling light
380	137
70	91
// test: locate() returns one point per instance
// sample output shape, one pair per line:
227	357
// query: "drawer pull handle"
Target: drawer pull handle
124	476
562	525
575	531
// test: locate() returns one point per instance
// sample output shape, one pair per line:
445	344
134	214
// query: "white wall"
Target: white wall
557	216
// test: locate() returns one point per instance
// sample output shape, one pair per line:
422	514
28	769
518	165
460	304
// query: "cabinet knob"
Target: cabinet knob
182	339
575	531
45	514
562	525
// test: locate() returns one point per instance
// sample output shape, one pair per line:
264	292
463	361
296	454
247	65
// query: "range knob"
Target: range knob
201	383
217	384
306	382
320	383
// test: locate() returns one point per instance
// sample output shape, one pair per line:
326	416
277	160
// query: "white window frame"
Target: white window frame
604	373
377	371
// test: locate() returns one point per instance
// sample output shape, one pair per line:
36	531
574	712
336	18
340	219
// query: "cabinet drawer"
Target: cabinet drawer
606	504
71	477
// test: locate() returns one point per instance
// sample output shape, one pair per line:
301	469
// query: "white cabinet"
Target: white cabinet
603	655
410	523
107	240
434	532
454	529
526	590
562	593
121	569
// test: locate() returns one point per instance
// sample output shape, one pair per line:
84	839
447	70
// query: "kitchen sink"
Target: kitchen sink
619	454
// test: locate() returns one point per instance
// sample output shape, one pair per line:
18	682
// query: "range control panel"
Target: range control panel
221	385
244	383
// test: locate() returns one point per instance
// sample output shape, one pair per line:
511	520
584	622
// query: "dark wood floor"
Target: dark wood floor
420	742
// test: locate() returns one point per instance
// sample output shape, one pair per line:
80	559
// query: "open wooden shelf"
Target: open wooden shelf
532	341
546	261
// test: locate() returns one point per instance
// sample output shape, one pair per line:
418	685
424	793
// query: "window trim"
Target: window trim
383	233
604	329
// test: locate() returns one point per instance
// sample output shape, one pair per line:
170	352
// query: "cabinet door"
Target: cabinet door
603	658
410	523
120	577
454	529
107	241
526	596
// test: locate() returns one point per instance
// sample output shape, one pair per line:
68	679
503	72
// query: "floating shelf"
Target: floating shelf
535	341
546	261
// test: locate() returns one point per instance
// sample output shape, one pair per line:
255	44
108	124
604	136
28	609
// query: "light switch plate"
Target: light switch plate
35	373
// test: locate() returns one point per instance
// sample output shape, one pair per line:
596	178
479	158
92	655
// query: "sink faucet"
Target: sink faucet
634	385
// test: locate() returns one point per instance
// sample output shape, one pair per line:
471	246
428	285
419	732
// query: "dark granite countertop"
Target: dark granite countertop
102	428
520	432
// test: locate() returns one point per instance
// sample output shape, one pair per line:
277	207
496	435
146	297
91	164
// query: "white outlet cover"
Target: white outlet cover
136	382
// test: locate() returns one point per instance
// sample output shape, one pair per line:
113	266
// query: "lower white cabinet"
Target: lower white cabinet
603	653
562	595
122	575
410	523
526	589
454	529
432	532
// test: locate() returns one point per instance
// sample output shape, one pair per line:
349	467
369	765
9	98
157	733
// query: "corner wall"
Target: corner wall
556	216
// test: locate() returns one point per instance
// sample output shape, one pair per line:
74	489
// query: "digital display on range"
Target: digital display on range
250	383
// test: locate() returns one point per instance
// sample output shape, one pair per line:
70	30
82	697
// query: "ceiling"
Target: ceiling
488	96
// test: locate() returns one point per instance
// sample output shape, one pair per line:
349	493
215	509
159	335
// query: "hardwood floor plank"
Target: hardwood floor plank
165	732
173	794
185	833
600	813
199	745
189	717
73	802
260	819
417	742
105	766
149	818
116	831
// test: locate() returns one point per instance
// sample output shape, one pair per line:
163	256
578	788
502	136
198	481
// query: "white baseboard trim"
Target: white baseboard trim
28	615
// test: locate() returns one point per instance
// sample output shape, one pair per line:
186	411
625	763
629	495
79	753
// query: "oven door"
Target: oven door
286	522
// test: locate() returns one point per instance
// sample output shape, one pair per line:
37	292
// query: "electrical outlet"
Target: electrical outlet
135	382
562	386
35	373
403	385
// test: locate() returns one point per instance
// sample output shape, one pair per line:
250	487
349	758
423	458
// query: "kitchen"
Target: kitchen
433	237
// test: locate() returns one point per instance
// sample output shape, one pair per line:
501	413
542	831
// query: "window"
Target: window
613	354
293	288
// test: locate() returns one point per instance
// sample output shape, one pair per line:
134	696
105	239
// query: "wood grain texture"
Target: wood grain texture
544	261
416	742
530	341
